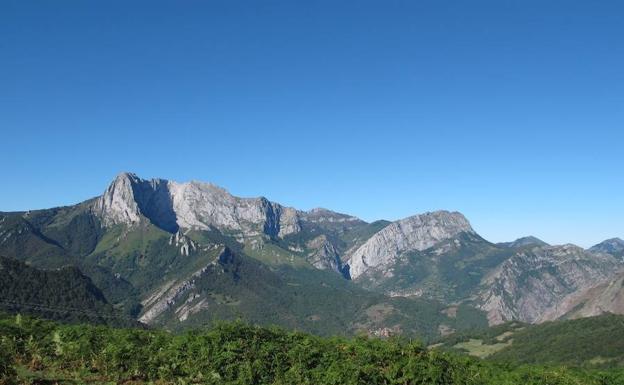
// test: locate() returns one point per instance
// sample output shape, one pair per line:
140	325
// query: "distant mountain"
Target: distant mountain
203	206
532	285
450	271
181	255
614	246
414	233
604	296
524	242
185	255
197	206
64	294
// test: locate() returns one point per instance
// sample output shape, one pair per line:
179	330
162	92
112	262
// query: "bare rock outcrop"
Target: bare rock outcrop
533	285
193	205
418	232
324	255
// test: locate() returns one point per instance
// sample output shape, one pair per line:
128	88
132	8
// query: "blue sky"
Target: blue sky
511	112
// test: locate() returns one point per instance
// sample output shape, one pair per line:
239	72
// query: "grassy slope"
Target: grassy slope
594	342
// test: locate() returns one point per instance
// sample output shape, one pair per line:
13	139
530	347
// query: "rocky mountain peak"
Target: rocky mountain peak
130	199
118	205
318	210
319	214
524	242
192	205
418	232
611	246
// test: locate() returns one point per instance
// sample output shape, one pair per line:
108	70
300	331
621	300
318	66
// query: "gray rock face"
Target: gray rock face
117	205
532	285
183	243
605	297
170	294
202	205
413	233
324	256
194	205
167	297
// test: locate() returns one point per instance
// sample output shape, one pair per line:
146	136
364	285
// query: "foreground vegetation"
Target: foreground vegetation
36	351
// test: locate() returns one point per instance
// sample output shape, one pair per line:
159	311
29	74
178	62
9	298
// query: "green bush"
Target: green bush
7	354
236	353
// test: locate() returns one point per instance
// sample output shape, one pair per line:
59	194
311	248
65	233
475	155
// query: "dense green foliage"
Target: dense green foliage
241	354
64	294
597	341
50	238
6	362
587	342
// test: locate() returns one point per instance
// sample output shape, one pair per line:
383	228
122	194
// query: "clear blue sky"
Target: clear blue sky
511	112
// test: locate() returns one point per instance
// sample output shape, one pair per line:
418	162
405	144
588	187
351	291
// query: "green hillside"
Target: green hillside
65	294
589	342
261	281
296	297
33	351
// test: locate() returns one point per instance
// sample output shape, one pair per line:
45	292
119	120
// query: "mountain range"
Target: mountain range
181	255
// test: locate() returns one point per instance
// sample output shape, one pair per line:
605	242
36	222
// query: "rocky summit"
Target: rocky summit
192	205
613	246
418	232
180	255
